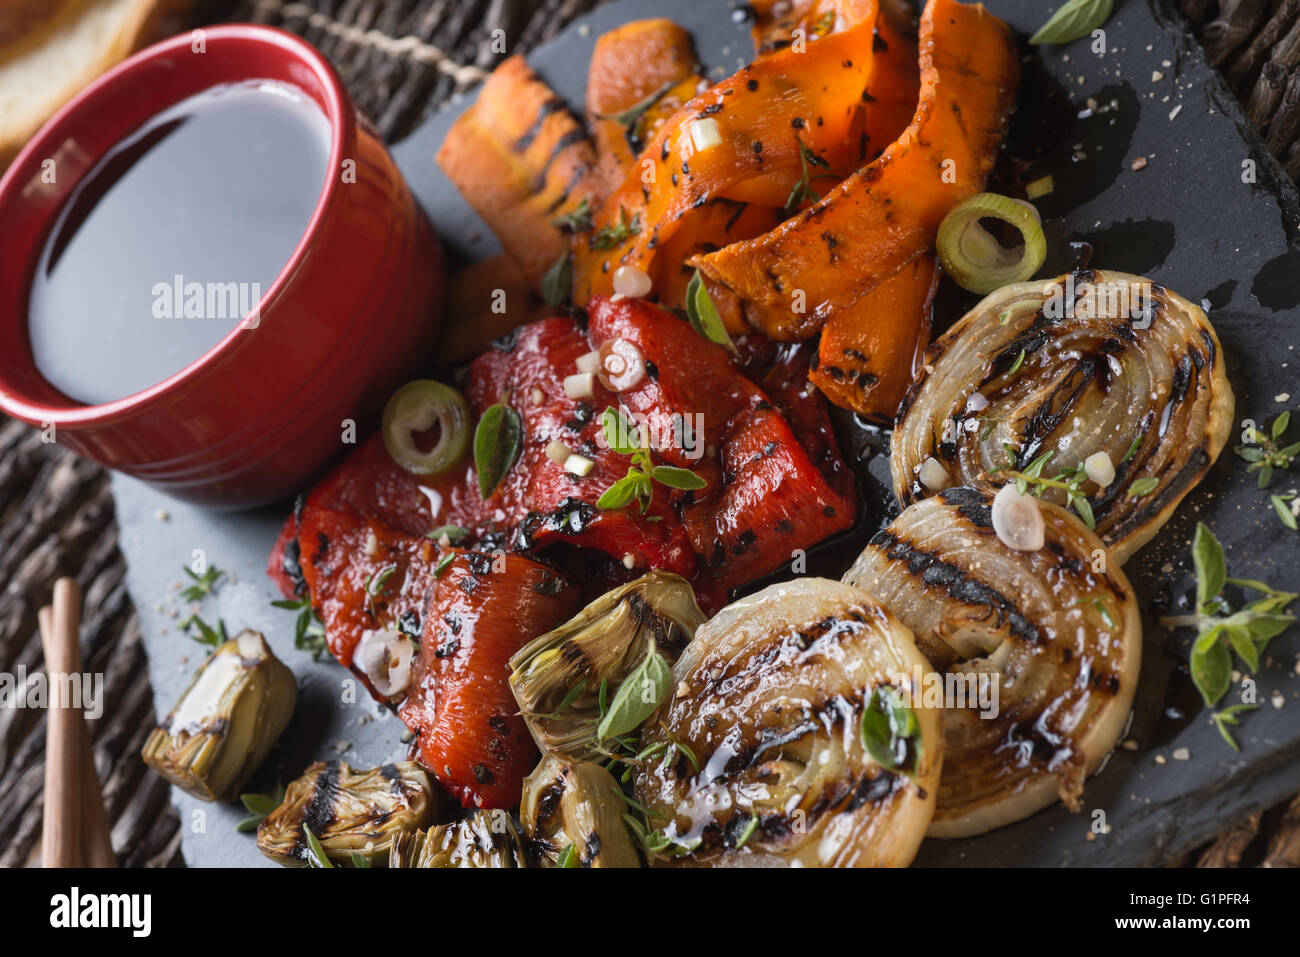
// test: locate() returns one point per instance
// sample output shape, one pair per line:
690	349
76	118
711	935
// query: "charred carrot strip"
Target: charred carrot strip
641	73
887	213
783	107
523	161
869	352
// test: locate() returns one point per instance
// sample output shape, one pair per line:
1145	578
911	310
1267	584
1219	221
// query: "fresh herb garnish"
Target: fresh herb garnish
1102	609
358	861
611	237
557	281
309	630
802	191
1144	486
316	856
203	585
1075	19
637	697
375	585
568	857
258	807
748	832
624	439
1265	452
1068	480
497	438
629	118
1283	510
207	635
890	730
703	314
444	562
454	533
1132	449
577	220
1228	717
1015	366
1220	631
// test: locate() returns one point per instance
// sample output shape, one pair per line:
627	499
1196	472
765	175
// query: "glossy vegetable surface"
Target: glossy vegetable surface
888	212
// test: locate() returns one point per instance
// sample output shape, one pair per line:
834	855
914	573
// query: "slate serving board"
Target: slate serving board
1190	219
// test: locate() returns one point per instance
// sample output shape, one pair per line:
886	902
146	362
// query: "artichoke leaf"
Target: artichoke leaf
576	804
348	812
484	839
565	680
235	708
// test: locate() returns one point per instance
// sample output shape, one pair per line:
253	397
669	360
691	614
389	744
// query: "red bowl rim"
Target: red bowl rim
339	115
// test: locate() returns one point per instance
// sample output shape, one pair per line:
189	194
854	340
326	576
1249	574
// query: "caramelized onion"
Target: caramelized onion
1089	362
1056	631
763	760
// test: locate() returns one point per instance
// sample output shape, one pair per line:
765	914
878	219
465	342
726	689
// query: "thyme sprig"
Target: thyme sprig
1069	480
802	190
202	585
624	438
308	629
1265	452
1221	631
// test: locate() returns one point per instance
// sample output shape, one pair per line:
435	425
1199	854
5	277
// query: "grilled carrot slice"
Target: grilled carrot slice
772	114
869	352
887	213
641	73
522	160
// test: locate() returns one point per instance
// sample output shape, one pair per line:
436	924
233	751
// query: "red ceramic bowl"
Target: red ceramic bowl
352	315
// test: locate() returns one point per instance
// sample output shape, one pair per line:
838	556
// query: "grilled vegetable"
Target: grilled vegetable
484	839
641	73
769	750
870	351
576	805
523	161
239	702
770	116
559	678
1111	377
1056	629
480	610
888	212
348	812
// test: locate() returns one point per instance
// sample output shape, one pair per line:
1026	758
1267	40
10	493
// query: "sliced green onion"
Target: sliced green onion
417	407
974	258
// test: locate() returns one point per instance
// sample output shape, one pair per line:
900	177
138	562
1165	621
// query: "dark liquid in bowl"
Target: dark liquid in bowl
173	236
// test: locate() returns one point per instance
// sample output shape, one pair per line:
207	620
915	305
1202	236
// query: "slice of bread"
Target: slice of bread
51	49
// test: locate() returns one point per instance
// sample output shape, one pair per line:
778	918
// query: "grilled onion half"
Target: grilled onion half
576	804
348	812
1090	362
1058	631
484	839
557	677
763	758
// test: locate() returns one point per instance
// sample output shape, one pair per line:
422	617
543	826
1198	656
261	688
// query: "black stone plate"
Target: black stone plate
1193	219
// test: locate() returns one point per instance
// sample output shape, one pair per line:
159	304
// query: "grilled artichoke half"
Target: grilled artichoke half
1091	362
557	678
576	804
237	705
766	759
484	839
348	812
1056	633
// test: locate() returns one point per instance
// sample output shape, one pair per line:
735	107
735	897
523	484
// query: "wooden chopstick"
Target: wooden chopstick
75	826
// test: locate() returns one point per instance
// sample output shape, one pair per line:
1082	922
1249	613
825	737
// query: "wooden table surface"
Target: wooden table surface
400	59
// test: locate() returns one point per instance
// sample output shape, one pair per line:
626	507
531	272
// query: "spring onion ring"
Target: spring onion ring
1089	362
974	258
417	407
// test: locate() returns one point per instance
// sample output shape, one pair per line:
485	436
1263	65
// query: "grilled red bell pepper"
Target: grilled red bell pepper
483	608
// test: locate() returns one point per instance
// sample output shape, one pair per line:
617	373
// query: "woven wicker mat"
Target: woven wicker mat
400	59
